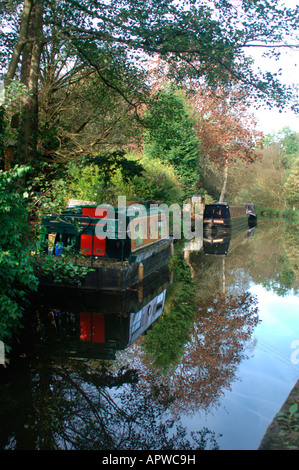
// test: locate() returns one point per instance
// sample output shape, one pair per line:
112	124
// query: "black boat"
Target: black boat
223	216
252	216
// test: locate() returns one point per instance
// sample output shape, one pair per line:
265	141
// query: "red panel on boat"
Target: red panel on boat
98	328
85	327
99	245
92	327
91	211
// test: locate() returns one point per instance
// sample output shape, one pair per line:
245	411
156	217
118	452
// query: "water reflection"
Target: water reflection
73	400
136	370
219	333
89	325
222	243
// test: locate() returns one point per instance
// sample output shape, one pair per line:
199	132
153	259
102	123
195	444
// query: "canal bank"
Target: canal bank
283	434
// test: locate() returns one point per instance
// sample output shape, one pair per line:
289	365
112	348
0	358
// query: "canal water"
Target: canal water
200	356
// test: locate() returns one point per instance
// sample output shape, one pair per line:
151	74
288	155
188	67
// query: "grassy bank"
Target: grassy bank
282	434
273	213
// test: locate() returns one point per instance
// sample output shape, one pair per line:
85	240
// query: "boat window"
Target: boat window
139	234
216	211
136	321
162	228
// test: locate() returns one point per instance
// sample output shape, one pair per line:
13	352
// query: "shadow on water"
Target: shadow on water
122	370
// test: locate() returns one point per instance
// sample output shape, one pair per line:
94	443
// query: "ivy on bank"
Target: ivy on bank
60	269
20	270
16	271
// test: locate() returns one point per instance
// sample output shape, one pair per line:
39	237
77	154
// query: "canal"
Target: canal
200	356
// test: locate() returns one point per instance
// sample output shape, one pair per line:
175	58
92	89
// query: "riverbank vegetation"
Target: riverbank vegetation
146	100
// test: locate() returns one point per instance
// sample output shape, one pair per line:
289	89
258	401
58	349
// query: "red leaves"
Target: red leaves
225	128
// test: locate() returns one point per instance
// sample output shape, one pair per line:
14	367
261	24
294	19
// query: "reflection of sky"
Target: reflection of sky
280	323
264	380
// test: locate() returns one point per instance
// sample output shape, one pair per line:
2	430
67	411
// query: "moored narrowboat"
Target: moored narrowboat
111	233
122	248
252	216
224	216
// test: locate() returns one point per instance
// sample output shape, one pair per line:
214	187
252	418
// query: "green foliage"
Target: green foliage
291	187
86	182
165	342
115	36
2	133
171	137
46	194
287	138
109	163
269	212
288	142
94	178
16	271
271	182
60	269
289	426
159	182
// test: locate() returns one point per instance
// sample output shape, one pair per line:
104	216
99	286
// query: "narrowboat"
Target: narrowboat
223	216
252	216
115	242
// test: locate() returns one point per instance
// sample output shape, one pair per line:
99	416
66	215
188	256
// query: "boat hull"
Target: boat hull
117	276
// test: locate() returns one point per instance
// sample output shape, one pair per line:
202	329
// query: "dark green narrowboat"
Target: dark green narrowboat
119	245
223	216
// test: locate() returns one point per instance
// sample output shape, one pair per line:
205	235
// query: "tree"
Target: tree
170	136
29	44
79	116
291	187
273	178
203	42
158	182
288	142
226	131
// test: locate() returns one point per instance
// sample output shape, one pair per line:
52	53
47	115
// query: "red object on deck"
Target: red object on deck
91	244
97	248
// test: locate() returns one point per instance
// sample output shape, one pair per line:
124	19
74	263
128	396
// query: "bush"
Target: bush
16	271
158	182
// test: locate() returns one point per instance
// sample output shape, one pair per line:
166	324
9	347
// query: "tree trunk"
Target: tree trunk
23	38
225	175
28	130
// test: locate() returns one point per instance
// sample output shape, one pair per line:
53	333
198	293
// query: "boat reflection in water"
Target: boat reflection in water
219	243
93	325
222	243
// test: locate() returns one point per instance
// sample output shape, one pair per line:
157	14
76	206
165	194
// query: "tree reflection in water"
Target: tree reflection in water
221	330
219	324
83	405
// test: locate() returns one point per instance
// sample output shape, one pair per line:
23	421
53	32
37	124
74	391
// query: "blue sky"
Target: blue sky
272	120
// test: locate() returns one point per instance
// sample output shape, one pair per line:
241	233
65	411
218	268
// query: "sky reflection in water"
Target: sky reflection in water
264	380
